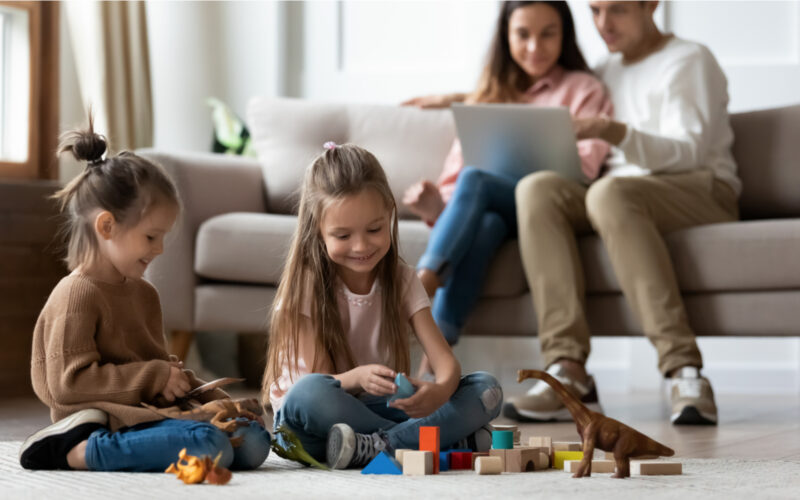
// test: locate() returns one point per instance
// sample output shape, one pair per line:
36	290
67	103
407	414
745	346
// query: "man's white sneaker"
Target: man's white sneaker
692	398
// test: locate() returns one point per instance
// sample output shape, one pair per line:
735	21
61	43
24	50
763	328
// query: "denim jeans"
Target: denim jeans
152	446
316	402
480	216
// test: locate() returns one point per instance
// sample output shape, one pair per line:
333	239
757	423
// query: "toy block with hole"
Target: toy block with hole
598	466
477	454
520	459
560	456
383	463
502	440
460	460
429	441
398	454
417	463
656	468
488	465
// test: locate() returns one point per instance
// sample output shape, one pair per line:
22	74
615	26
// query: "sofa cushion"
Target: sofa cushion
754	255
288	134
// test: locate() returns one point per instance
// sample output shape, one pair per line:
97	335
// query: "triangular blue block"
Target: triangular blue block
383	463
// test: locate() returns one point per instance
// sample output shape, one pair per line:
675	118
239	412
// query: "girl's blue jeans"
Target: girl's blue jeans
153	446
480	216
316	402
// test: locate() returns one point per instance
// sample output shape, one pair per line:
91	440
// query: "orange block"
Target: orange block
429	441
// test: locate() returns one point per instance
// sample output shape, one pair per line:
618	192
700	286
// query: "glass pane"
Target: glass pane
14	83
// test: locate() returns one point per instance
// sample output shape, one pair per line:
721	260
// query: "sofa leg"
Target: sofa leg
180	343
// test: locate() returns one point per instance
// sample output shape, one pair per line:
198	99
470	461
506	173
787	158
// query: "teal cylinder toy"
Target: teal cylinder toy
502	440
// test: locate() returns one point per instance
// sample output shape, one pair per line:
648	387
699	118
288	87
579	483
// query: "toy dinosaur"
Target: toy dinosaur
222	413
294	448
598	431
194	470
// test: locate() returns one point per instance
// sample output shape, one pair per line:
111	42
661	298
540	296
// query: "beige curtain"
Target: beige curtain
109	44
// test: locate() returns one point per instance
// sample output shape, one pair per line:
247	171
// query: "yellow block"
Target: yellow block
560	456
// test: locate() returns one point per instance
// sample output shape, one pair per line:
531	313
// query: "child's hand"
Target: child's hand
428	398
177	384
377	380
424	200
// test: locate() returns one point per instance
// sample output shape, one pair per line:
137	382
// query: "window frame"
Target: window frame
43	94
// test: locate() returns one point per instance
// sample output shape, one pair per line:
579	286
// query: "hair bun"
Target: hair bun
85	145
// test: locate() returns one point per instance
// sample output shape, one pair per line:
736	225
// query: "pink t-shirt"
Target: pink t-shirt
581	92
361	319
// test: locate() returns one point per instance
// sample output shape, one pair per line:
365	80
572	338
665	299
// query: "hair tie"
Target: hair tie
329	145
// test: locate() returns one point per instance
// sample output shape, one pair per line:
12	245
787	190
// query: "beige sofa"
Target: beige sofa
221	267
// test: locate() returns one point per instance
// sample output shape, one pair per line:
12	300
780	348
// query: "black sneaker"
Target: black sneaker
48	448
480	440
349	449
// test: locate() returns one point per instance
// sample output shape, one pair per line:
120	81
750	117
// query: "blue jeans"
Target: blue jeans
477	220
152	446
316	402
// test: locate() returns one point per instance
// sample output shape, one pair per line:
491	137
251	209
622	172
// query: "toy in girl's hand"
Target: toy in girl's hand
404	389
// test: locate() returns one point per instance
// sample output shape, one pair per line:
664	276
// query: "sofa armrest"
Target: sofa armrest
208	185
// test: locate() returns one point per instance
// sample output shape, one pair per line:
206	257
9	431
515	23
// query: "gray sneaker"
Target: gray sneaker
692	398
542	404
348	449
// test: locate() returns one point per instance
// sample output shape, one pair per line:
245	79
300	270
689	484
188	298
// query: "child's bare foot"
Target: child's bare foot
429	280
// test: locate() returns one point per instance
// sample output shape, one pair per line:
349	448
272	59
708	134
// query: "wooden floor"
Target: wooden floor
756	427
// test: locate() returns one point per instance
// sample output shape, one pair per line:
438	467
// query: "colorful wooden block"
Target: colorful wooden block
417	463
502	440
429	441
598	466
383	463
511	428
488	465
460	460
520	459
656	468
398	454
444	461
560	456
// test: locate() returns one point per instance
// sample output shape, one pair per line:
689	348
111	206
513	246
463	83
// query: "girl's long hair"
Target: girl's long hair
502	79
309	276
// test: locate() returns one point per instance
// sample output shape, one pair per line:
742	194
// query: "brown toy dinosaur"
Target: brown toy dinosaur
598	431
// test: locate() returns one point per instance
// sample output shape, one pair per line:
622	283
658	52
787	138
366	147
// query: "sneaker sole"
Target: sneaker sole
562	415
690	415
338	450
90	416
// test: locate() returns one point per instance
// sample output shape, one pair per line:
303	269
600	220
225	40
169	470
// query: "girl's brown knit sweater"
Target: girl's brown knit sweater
101	345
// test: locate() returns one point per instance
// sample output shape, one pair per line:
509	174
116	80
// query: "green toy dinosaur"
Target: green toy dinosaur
294	450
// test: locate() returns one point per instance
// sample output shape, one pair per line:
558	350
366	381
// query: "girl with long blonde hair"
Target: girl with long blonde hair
340	326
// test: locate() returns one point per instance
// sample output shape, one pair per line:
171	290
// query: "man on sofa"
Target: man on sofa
670	168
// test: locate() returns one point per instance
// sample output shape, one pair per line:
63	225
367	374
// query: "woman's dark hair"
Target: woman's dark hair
502	79
126	185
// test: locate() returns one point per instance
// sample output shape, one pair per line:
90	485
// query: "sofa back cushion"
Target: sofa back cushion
288	134
767	152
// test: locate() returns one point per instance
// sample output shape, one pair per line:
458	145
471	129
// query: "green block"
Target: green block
502	440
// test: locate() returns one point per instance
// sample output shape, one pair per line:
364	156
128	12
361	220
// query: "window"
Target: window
28	89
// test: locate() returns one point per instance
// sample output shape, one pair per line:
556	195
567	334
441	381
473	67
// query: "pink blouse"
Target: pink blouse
581	92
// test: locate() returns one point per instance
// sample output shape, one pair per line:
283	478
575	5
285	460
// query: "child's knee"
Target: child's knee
205	439
254	449
489	392
308	393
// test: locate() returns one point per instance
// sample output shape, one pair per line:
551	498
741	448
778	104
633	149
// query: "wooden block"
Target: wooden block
398	454
488	465
599	466
560	456
501	454
417	463
521	459
429	441
544	461
461	460
567	446
543	442
502	440
512	428
656	468
476	455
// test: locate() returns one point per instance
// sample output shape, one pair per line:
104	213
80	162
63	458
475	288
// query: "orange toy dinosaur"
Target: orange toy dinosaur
598	431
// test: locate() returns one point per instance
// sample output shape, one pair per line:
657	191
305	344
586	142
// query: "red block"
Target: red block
429	441
461	460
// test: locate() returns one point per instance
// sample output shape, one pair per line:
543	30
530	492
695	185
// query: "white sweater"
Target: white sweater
675	104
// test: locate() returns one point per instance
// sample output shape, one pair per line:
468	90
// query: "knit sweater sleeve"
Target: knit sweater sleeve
75	370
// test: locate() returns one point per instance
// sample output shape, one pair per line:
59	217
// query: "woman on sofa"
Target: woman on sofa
534	58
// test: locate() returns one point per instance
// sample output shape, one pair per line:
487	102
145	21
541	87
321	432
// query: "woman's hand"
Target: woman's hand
428	398
177	384
424	200
377	380
434	101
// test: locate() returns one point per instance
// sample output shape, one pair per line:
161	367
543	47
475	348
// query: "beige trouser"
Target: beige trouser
631	214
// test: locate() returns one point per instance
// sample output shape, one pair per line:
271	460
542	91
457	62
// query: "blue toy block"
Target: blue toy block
444	461
502	440
383	463
404	389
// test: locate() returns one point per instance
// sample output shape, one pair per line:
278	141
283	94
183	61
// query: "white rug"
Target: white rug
277	478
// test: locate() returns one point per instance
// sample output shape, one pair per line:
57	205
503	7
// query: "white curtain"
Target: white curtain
109	43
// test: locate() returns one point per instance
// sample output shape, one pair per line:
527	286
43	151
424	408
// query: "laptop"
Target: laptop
517	139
